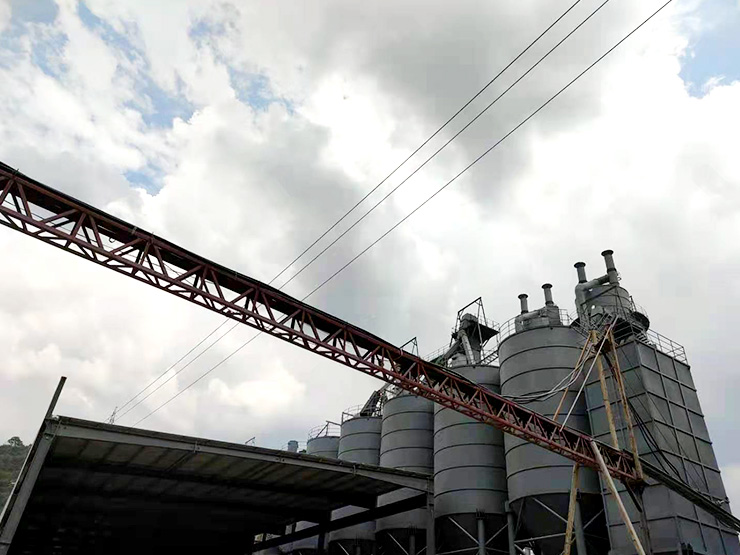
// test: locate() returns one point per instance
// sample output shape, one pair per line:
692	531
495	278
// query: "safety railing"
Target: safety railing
323	430
650	337
664	345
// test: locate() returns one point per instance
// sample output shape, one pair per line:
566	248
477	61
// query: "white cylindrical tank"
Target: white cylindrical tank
406	443
359	442
325	444
535	360
469	473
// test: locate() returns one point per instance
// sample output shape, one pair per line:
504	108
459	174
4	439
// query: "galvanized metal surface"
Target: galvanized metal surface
469	466
359	442
69	224
407	442
469	472
319	446
662	392
323	446
102	488
539	481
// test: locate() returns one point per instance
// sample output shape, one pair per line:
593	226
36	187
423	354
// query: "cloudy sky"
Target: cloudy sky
241	130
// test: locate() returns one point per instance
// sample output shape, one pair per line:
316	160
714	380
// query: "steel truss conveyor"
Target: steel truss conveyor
73	226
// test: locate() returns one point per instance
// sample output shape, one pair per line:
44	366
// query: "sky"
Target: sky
242	130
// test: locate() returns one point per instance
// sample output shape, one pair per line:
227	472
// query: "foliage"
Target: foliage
12	455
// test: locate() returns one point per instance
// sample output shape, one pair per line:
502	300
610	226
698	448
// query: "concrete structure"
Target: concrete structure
538	358
359	442
406	443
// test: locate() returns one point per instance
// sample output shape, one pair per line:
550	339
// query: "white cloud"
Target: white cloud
731	479
626	159
5	13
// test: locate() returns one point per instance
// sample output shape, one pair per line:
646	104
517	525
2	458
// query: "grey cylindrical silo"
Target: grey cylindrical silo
326	446
406	443
469	475
599	300
359	442
536	359
323	446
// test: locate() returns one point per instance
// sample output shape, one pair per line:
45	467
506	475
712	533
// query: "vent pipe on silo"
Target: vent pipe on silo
581	269
547	289
611	270
523	303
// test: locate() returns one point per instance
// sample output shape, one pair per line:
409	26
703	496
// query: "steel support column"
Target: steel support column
481	535
16	504
511	530
578	529
430	531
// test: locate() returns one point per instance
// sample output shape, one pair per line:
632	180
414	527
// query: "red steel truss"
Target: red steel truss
69	224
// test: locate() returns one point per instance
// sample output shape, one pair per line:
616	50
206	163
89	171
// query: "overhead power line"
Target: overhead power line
487	151
369	193
155	380
161	385
446	144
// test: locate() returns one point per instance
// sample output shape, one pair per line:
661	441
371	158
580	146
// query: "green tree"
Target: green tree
15	441
12	455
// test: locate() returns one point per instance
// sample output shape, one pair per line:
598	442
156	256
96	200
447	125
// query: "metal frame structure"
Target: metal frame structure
92	472
78	228
73	226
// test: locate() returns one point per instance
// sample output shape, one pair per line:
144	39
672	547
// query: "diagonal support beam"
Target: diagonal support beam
391	509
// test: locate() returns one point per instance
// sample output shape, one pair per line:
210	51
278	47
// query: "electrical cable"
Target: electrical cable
171	367
545	104
399	166
440	149
487	151
161	385
422	145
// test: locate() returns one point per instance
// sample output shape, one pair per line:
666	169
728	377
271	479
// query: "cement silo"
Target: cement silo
323	441
359	442
469	468
406	443
538	359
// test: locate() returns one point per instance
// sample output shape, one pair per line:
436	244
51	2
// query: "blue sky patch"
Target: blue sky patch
164	107
255	90
148	179
33	11
715	53
107	32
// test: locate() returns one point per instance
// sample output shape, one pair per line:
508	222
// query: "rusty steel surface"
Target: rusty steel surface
71	225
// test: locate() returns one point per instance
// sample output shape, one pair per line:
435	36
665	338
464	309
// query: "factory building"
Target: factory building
599	369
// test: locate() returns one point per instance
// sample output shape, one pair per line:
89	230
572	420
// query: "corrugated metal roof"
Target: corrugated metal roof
109	489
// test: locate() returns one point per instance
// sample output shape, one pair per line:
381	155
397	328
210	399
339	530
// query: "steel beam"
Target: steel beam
63	497
78	228
96	431
16	504
383	511
64	222
308	493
